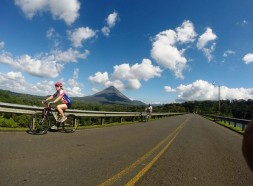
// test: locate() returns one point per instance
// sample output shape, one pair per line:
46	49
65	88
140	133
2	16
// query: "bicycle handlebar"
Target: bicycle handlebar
48	104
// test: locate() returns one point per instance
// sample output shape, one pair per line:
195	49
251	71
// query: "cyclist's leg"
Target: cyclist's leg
61	108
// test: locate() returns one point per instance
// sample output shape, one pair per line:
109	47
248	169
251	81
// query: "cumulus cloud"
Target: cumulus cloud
116	83
110	23
99	78
15	81
43	65
208	36
202	90
66	10
208	52
80	35
126	76
144	70
164	47
12	80
204	39
111	19
169	89
248	58
186	32
133	84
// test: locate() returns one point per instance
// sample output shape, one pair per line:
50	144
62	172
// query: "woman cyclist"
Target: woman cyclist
61	95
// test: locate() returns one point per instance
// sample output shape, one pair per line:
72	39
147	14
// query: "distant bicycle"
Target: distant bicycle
145	117
41	122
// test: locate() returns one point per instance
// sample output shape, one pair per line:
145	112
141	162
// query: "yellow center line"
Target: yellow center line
151	163
116	177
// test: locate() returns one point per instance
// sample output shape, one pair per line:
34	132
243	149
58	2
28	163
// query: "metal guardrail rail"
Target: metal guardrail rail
25	109
236	122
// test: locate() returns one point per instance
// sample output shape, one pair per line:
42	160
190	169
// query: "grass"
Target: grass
231	127
5	129
13	129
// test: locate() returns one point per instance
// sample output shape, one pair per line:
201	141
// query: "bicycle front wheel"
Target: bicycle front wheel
70	125
39	123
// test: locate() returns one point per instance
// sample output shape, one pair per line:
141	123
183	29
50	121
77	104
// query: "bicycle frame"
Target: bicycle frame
41	122
51	111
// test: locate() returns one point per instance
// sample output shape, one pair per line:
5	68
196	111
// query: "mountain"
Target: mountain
110	95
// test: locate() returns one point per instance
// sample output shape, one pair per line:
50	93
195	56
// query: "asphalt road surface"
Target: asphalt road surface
178	150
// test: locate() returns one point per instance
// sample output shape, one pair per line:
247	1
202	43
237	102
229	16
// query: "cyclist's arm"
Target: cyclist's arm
58	99
50	97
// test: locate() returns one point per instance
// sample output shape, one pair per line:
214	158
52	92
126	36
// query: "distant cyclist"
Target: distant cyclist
149	109
61	95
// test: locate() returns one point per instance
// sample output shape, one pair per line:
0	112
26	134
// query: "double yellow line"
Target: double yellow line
122	173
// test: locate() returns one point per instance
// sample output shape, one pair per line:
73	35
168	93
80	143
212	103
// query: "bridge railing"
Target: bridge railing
242	123
25	109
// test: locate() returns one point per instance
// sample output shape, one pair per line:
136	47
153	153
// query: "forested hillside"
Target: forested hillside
231	108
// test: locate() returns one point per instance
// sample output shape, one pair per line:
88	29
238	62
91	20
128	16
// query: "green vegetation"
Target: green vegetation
229	108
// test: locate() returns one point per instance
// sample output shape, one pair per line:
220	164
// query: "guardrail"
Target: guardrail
25	109
236	122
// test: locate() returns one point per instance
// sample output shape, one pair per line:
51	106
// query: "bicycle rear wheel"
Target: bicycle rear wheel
39	123
70	125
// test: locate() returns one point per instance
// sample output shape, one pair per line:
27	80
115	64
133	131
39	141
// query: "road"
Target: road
178	150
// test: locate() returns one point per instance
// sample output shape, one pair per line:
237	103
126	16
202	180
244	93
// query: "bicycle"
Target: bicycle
147	117
41	122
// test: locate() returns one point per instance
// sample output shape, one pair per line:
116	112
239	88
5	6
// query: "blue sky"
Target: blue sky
157	52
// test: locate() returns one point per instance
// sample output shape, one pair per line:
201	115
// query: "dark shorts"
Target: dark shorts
69	105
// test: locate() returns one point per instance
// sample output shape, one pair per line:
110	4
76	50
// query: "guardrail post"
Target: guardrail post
243	127
76	121
120	119
102	120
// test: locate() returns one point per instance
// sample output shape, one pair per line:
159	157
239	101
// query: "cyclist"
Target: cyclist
149	110
61	95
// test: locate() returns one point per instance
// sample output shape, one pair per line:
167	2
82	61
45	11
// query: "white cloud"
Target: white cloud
106	31
205	38
186	33
116	83
112	19
70	55
243	23
99	78
203	90
66	10
43	65
16	82
110	23
12	81
133	84
144	70
228	52
73	81
94	90
165	51
130	75
169	89
248	58
208	52
80	35
168	55
54	36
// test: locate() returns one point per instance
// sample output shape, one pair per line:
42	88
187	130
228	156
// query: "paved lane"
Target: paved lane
181	150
